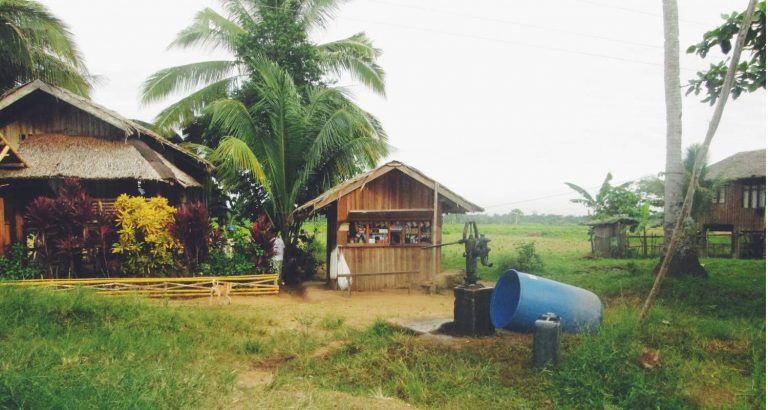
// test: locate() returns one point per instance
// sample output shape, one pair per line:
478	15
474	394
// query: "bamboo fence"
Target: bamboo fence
161	287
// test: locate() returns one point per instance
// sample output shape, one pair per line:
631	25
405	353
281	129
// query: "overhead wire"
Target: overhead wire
518	23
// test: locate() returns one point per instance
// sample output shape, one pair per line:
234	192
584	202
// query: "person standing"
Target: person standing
278	249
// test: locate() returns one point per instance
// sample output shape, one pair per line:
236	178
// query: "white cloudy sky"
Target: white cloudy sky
502	101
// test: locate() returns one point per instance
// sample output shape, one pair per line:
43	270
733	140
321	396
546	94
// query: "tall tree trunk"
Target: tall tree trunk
685	260
700	160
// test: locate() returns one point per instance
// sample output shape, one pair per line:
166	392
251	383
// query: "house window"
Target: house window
753	196
719	196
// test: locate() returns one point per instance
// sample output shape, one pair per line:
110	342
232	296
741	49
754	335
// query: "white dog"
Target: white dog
221	289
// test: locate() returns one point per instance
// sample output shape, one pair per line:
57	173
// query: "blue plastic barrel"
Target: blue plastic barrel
520	298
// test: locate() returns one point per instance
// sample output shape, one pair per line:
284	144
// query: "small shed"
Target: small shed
609	236
48	133
385	224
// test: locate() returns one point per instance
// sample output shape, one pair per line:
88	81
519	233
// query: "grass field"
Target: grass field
80	350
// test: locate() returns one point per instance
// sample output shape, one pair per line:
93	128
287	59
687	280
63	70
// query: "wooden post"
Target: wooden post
3	239
436	249
20	230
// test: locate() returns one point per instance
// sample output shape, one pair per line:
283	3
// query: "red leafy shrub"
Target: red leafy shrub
263	239
62	228
193	229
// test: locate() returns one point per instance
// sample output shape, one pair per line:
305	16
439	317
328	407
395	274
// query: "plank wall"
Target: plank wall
389	264
732	211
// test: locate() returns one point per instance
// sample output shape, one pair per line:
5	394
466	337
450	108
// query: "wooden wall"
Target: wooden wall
45	115
732	211
385	266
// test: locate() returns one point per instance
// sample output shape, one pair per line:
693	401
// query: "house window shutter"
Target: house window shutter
745	197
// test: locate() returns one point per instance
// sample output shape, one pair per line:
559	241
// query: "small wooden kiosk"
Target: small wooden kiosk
384	224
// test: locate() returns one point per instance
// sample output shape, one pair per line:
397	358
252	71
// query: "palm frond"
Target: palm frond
318	13
186	78
232	157
209	29
357	56
586	199
232	117
33	41
184	111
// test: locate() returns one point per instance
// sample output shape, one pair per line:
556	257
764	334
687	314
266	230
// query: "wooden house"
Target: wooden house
385	223
48	133
738	206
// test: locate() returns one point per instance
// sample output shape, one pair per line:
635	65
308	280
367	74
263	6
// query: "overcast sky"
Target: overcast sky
501	101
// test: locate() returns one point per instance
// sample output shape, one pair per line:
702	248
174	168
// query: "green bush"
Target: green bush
527	259
17	264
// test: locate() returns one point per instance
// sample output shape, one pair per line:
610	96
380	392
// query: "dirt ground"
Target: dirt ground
254	384
359	309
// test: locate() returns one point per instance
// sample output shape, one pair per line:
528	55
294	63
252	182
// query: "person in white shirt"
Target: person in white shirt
278	248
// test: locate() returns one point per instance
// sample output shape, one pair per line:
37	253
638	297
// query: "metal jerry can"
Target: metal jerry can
546	341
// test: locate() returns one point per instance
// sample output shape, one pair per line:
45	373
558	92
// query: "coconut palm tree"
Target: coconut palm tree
313	142
35	44
252	30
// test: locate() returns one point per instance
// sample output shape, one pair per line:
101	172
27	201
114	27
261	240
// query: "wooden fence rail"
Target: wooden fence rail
160	287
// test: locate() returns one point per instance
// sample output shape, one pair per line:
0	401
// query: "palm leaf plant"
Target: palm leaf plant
250	30
35	44
301	148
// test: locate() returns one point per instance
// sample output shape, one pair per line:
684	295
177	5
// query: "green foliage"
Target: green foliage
313	145
234	255
145	241
603	371
610	200
527	259
281	36
254	30
750	73
17	265
80	350
35	44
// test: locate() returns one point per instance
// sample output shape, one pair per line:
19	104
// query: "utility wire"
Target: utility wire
517	23
554	195
516	43
636	11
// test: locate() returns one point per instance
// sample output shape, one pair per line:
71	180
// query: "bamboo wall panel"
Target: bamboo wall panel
56	118
399	266
732	213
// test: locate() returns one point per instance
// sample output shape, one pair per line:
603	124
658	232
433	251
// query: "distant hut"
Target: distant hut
609	236
48	133
738	207
385	224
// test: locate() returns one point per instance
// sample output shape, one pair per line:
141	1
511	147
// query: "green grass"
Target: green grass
81	350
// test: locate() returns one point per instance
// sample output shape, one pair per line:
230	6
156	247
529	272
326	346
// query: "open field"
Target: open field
321	349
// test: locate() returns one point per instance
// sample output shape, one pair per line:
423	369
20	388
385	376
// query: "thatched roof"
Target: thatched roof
454	203
95	159
745	164
131	128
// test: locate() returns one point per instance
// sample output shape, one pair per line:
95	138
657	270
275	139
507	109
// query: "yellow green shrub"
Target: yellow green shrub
145	241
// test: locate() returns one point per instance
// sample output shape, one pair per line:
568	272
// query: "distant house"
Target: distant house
48	133
739	206
386	223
